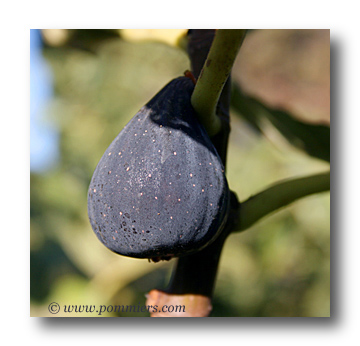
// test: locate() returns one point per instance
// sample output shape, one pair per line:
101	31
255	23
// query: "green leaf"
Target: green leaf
313	139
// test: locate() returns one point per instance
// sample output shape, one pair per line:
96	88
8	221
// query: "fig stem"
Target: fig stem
214	75
278	196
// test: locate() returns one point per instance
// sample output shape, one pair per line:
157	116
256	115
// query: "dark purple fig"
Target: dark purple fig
160	191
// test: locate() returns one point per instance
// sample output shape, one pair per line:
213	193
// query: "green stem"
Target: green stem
278	196
214	75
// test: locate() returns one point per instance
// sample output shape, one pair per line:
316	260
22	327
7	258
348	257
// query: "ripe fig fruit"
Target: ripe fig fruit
160	191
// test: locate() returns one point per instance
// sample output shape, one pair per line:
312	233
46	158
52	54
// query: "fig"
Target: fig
160	191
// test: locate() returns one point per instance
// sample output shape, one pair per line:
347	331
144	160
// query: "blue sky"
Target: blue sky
43	135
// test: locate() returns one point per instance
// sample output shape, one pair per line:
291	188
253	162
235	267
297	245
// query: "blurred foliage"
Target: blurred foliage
288	70
314	139
280	267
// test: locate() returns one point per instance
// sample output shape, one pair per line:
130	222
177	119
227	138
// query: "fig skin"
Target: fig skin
160	191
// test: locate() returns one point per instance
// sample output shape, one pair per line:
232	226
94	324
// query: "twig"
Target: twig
279	196
214	75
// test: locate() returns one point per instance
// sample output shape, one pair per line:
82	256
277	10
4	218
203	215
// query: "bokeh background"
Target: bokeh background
87	84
